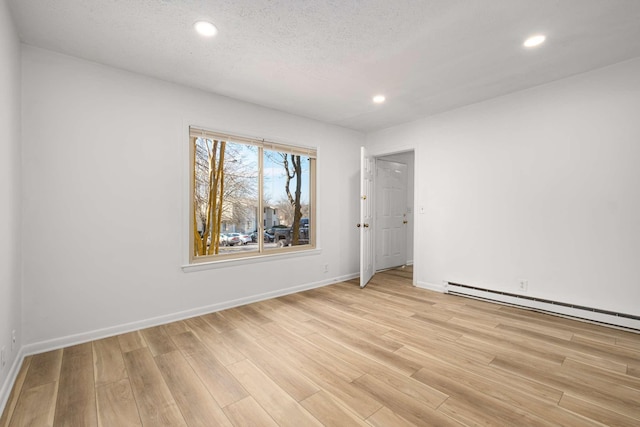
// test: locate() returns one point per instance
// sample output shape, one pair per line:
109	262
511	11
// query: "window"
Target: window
249	197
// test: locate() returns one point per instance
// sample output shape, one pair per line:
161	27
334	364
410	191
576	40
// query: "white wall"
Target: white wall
540	185
104	186
10	260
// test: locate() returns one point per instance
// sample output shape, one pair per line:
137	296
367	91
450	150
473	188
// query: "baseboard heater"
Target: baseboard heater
611	318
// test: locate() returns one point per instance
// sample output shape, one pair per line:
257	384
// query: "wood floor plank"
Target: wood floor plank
116	405
288	378
12	401
618	398
593	352
131	341
385	417
158	340
324	376
597	338
36	406
524	386
198	407
247	413
240	320
295	320
314	347
252	314
628	343
156	405
618	353
370	350
421	392
275	401
477	415
480	344
400	323
445	348
223	386
490	399
44	369
108	361
216	341
512	341
76	402
543	329
219	322
365	302
400	301
329	412
175	328
407	407
333	319
487	322
418	298
586	329
279	306
597	413
614	377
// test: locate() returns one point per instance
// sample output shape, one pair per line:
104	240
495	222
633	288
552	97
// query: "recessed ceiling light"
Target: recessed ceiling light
379	99
205	28
534	40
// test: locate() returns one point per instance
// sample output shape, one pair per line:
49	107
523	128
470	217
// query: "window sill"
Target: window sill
223	263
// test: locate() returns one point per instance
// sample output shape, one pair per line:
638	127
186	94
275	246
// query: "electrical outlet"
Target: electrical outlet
3	357
523	285
326	268
13	340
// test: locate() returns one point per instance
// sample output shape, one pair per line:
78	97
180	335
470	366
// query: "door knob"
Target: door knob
358	225
405	221
366	225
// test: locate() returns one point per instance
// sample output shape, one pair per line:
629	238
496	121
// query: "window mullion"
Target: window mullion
260	212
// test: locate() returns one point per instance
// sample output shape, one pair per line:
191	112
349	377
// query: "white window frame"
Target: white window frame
193	263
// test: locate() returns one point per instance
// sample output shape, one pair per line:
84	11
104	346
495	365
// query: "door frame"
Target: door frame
375	153
381	164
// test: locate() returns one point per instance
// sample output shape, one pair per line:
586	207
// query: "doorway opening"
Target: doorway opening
387	214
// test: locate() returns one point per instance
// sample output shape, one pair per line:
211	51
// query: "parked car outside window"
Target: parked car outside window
233	239
268	238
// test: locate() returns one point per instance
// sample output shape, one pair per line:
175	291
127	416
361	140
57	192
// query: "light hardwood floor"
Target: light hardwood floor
388	355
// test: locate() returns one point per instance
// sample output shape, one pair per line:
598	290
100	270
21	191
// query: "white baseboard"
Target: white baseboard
432	287
10	380
56	343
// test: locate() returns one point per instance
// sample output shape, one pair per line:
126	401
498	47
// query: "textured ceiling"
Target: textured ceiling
325	59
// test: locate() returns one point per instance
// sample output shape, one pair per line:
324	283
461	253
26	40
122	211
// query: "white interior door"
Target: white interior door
366	217
391	214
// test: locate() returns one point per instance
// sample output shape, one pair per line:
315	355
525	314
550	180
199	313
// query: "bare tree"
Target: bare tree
222	182
209	190
292	165
294	172
286	210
